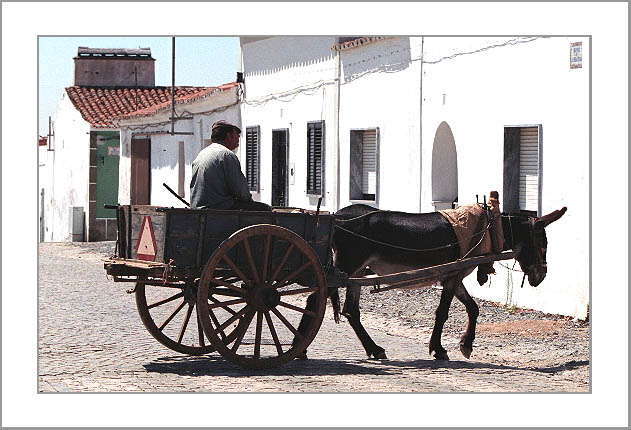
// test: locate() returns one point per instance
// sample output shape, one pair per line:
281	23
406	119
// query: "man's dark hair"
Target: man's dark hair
220	130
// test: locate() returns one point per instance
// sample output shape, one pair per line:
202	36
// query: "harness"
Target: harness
481	233
537	240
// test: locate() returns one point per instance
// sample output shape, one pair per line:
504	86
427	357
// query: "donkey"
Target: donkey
388	242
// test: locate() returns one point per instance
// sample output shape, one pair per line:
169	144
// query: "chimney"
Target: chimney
105	67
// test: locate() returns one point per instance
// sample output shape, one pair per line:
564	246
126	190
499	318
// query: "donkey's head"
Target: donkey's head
527	237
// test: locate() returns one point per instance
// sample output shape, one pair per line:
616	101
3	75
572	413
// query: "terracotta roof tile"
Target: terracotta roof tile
179	100
100	105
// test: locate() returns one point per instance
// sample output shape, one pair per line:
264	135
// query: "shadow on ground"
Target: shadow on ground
218	366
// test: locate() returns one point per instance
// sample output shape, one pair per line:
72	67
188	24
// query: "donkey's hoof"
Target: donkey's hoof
380	355
466	350
441	356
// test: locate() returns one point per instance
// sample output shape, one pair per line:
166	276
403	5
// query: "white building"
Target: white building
78	172
151	156
437	121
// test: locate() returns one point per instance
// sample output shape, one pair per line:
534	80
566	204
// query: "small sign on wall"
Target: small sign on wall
114	150
576	55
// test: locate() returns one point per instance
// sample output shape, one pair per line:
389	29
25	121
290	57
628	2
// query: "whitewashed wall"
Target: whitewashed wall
289	81
486	88
64	172
165	148
381	89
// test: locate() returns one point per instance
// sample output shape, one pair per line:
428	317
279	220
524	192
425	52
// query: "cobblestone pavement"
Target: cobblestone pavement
91	339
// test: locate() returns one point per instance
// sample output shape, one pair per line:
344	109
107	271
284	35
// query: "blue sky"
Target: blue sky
199	61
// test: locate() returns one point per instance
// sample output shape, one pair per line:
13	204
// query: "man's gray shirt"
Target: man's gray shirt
217	179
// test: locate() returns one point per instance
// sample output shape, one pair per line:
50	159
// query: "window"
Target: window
522	169
252	146
364	164
315	158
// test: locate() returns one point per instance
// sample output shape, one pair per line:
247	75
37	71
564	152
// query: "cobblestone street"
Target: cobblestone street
91	339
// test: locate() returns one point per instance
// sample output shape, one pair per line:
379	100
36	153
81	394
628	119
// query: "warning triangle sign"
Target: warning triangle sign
146	247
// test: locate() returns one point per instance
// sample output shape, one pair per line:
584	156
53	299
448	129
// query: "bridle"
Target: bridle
537	239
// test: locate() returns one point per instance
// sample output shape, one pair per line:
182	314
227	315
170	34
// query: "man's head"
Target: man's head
225	133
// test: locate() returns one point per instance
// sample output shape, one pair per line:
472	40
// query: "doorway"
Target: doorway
280	161
444	169
140	171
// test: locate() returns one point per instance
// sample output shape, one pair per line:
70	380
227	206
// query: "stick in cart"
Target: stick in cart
176	195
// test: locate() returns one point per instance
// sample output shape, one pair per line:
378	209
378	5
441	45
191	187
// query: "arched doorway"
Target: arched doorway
444	168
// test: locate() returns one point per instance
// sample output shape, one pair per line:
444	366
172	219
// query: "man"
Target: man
217	181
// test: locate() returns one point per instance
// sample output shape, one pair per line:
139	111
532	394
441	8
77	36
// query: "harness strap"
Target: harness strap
482	232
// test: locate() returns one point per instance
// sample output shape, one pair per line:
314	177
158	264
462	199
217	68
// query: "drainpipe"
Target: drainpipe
336	127
420	155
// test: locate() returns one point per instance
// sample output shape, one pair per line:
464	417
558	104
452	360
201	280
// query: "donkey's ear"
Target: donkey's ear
552	216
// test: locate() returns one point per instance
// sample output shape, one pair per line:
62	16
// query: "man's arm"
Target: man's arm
237	184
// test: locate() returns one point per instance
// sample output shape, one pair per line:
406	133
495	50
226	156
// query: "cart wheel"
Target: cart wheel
274	271
169	315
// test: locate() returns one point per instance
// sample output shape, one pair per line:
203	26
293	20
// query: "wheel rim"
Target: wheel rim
262	297
170	315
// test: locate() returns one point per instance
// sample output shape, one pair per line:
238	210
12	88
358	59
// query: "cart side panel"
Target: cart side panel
158	227
182	240
219	226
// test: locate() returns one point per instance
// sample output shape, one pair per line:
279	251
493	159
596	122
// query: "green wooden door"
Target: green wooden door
107	158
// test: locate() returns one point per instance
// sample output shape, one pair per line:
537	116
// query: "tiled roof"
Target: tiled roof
99	105
179	100
43	140
356	42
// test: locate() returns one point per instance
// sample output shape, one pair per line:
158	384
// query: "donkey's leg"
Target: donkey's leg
351	312
441	316
466	341
306	320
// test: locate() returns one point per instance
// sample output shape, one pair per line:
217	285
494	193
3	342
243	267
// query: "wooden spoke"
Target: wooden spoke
214	319
226	308
287	279
233	318
268	242
287	323
236	270
246	323
248	253
200	332
185	323
282	262
168	320
171	337
227	285
223	292
296	308
272	330
298	291
257	338
226	303
167	300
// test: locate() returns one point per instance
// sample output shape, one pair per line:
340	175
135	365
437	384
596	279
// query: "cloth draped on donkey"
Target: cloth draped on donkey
469	223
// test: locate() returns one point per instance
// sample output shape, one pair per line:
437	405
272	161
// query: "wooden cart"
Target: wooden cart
236	282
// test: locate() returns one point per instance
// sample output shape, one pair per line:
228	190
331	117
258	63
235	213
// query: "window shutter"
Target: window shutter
510	199
315	158
355	173
529	168
252	157
369	163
